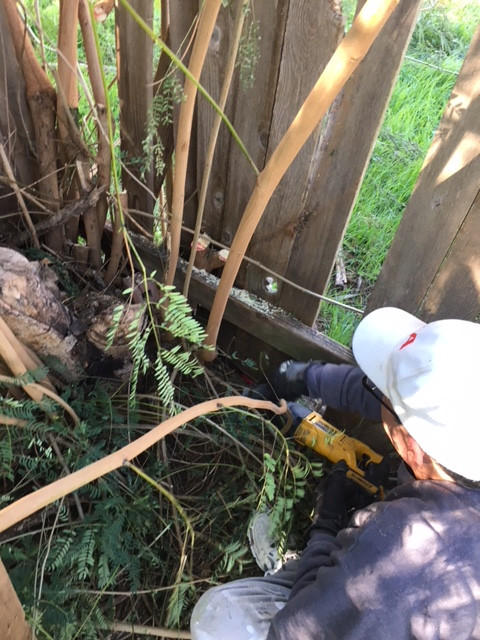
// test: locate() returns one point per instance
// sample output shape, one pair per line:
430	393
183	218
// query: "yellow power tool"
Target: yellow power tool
313	431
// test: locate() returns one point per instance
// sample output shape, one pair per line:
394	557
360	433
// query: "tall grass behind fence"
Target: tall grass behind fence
439	43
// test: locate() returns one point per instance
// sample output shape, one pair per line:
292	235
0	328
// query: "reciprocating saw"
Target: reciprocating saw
313	431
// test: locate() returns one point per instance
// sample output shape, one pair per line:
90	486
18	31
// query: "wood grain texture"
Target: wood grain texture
268	324
249	110
432	265
135	92
313	31
344	153
455	291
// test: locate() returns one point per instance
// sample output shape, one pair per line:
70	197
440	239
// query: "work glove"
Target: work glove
338	497
331	513
288	381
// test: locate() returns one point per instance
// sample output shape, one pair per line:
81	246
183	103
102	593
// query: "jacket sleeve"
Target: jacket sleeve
340	387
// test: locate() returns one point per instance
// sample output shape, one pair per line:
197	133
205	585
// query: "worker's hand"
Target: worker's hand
331	513
289	380
341	497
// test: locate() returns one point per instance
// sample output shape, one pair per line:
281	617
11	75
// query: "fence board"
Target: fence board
430	269
250	110
135	93
456	289
312	33
345	152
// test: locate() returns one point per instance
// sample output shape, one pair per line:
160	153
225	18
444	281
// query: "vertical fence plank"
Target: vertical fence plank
432	268
135	92
312	33
345	151
250	110
455	291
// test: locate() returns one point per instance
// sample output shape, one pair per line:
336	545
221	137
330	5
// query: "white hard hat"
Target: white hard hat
429	372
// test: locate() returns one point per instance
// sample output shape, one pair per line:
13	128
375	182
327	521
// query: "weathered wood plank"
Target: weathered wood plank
250	110
135	92
13	625
253	315
345	150
455	291
267	323
312	33
442	199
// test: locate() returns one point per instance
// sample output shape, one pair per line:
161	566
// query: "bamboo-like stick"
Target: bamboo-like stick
35	501
342	64
212	143
67	61
206	24
13	359
116	253
95	218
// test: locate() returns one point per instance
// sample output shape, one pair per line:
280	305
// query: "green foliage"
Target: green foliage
161	113
71	569
284	486
171	314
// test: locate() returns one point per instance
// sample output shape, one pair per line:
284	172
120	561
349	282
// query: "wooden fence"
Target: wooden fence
433	267
304	223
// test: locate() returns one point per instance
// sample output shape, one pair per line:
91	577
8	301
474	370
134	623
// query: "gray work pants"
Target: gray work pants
242	609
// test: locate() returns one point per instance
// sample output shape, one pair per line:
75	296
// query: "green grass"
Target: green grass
439	43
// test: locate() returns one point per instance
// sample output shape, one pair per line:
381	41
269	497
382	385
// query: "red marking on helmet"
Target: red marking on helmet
411	338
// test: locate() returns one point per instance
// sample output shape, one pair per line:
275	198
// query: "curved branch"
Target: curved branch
35	501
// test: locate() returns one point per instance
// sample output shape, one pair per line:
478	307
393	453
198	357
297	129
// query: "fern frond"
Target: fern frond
115	323
85	558
165	388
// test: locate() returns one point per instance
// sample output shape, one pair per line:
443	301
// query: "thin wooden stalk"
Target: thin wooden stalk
67	99
67	62
342	64
155	632
206	25
212	143
95	217
44	496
